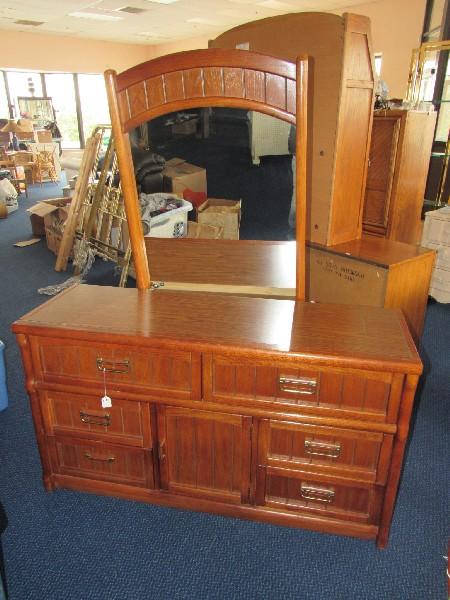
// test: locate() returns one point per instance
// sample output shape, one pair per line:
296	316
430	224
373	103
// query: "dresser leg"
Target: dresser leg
48	483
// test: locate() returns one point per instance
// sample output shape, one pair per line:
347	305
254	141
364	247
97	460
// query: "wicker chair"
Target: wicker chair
45	167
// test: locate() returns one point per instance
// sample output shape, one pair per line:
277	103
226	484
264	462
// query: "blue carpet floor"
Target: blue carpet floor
72	546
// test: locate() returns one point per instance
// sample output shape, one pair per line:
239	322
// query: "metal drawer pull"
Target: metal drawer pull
302	385
319	494
322	449
109	459
95	419
111	366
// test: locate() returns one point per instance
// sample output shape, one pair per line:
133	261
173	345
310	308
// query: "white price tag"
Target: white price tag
106	402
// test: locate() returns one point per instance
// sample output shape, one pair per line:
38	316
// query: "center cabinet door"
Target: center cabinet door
205	454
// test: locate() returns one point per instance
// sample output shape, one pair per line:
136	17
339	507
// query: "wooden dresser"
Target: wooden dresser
277	410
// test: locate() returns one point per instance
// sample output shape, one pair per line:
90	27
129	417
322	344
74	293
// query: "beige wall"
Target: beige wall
39	52
396	29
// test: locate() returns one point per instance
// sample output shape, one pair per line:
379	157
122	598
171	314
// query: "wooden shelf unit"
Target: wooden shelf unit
397	174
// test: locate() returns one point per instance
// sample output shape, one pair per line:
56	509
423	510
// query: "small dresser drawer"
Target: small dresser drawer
360	455
322	496
119	366
125	422
101	462
349	392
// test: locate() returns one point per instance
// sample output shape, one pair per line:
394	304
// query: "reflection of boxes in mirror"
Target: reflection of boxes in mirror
3	390
180	175
172	223
198	230
222	213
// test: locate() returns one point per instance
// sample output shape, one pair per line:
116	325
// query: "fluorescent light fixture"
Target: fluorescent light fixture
275	5
161	1
149	34
202	21
95	16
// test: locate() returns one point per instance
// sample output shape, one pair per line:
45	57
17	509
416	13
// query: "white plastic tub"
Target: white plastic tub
172	223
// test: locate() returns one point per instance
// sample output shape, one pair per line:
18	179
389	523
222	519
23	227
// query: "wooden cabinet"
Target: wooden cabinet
373	271
340	108
205	454
282	411
396	178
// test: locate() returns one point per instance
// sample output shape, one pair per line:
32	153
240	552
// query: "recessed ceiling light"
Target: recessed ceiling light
95	16
132	10
26	22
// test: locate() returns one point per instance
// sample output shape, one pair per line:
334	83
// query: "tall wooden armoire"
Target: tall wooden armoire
340	109
397	174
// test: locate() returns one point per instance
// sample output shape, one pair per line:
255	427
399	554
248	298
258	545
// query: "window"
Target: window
4	108
60	88
94	103
64	89
378	59
20	83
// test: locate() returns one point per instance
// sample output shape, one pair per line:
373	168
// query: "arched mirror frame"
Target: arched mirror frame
204	78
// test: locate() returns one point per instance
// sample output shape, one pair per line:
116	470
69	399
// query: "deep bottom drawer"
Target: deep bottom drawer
310	493
102	462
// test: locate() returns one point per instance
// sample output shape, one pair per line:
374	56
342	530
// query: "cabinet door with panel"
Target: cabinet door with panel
380	174
204	454
395	186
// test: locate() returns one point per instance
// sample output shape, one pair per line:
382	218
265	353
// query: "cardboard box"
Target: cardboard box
44	135
54	222
221	213
47	218
40	210
180	175
197	230
188	127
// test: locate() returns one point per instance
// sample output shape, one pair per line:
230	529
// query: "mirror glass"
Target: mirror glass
239	155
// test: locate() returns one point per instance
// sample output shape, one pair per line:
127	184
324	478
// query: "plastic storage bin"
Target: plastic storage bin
172	223
3	390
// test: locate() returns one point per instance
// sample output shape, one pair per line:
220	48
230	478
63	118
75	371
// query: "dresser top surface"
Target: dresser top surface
366	337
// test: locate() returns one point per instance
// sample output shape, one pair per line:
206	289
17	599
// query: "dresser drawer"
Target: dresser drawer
119	366
125	422
101	462
348	392
309	493
360	455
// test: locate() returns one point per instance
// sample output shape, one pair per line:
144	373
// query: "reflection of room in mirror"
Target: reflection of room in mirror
244	157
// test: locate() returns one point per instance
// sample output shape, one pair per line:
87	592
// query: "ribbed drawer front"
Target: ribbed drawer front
125	422
318	495
101	462
352	392
65	361
358	454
